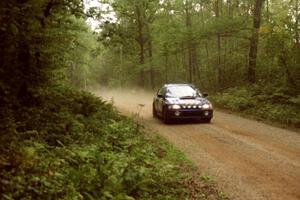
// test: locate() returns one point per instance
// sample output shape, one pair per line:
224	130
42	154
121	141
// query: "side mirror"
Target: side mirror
205	94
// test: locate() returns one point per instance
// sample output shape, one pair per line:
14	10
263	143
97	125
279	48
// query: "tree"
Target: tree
39	41
214	44
254	41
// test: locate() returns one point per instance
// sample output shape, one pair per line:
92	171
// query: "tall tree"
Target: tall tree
219	67
254	41
297	17
188	24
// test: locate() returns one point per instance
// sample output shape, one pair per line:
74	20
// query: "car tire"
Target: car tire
165	117
154	113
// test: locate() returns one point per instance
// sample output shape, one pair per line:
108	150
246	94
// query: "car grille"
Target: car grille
194	112
191	113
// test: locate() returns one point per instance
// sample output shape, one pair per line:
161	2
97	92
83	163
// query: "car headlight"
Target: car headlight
206	106
175	106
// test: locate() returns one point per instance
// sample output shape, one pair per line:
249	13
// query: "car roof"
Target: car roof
178	84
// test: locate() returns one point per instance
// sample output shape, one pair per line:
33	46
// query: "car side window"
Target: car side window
162	92
198	93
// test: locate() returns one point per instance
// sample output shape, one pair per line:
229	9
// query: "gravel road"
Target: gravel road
249	160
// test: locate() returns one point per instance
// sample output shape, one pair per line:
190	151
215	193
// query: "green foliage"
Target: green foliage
266	102
189	43
76	146
241	100
42	42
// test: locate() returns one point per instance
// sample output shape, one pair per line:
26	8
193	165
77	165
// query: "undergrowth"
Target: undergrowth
73	145
267	102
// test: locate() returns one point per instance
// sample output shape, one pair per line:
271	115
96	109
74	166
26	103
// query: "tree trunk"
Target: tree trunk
190	53
205	42
297	22
268	11
220	75
283	62
150	54
121	66
196	66
254	41
219	70
230	8
183	58
141	42
24	95
166	67
152	83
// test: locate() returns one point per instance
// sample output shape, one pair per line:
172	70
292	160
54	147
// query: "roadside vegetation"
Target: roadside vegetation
76	146
267	103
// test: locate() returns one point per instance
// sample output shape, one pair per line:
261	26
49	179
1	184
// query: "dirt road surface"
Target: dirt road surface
248	159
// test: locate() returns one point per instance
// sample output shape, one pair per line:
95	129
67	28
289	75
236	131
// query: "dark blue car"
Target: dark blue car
181	101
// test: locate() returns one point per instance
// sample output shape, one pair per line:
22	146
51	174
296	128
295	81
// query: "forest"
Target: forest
216	44
58	141
245	52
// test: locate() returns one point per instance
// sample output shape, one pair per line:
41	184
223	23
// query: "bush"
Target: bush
265	102
241	100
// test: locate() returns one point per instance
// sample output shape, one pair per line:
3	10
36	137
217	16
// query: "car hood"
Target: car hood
193	101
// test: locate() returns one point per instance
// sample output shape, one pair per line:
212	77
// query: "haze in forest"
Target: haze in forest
60	141
244	53
214	44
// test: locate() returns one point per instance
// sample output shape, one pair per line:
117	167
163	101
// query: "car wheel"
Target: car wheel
166	118
154	113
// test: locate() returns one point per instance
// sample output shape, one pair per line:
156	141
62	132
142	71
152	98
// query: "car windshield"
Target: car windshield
181	91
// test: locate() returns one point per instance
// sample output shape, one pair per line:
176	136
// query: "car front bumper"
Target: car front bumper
190	113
